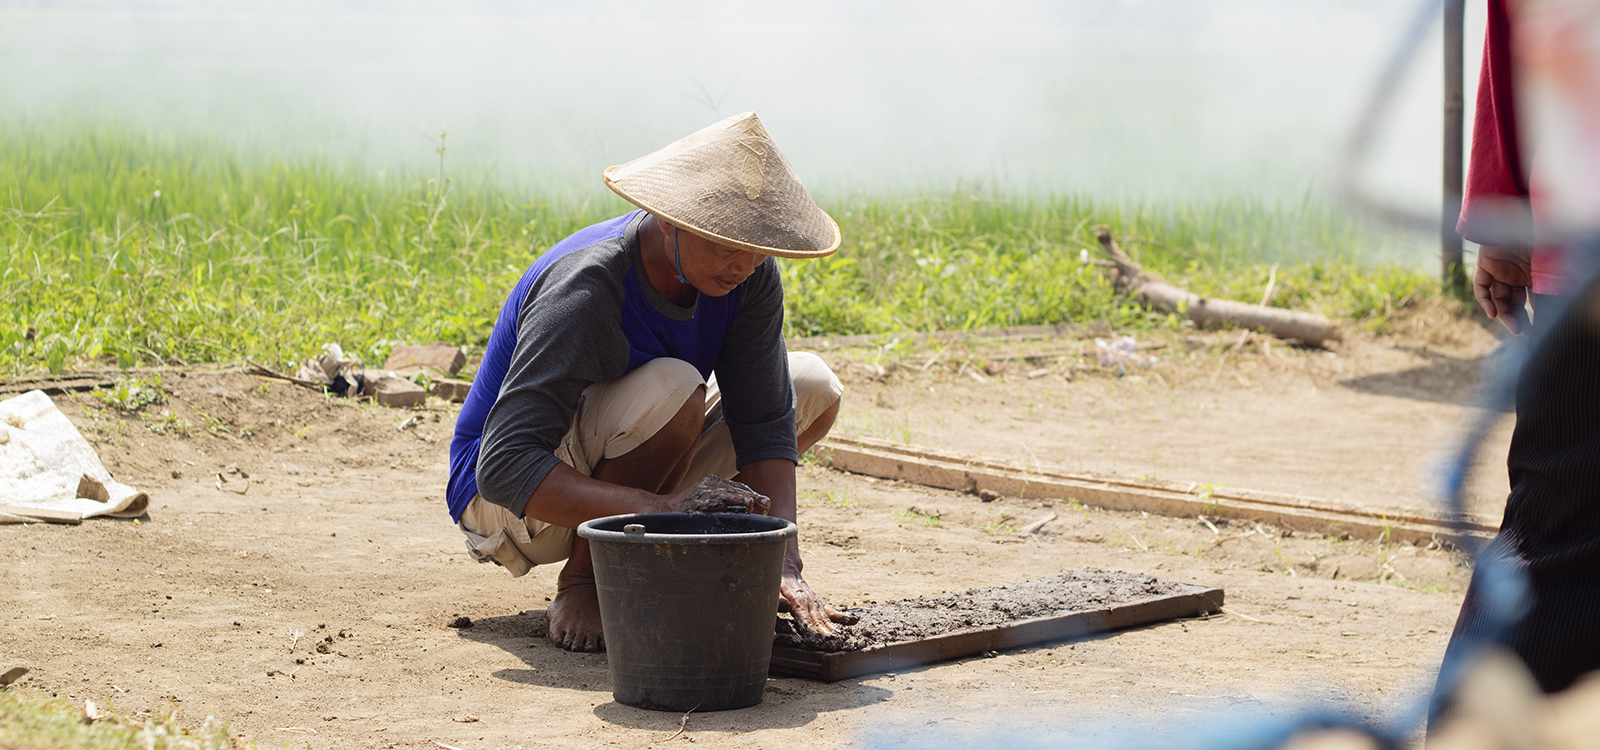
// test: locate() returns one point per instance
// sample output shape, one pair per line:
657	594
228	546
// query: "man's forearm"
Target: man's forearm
568	498
774	477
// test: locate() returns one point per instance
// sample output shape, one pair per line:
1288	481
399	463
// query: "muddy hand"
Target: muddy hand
717	495
810	614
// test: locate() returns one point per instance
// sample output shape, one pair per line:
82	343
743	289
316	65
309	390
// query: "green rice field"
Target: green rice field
125	247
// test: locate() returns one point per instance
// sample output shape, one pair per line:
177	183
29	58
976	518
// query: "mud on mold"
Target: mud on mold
979	609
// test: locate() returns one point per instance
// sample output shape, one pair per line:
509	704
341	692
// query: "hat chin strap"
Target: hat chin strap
676	261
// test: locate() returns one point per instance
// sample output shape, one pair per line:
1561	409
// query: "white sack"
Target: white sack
43	458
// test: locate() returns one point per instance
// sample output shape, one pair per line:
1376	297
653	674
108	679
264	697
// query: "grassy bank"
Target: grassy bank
121	246
32	720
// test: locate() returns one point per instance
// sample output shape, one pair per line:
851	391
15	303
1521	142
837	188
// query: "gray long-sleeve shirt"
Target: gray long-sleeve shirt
586	313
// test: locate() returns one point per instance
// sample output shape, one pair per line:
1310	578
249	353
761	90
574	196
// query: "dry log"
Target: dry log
1154	291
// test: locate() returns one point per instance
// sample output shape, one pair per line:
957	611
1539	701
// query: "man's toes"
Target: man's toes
578	641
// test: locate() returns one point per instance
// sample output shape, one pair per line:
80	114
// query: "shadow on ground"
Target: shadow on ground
796	702
523	635
788	702
1444	380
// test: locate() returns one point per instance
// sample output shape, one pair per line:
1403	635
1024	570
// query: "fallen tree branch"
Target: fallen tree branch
1036	525
1152	290
262	371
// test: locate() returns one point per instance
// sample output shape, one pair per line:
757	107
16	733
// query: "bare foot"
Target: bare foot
575	617
575	613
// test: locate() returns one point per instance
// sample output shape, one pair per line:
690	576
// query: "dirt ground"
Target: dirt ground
297	571
1367	421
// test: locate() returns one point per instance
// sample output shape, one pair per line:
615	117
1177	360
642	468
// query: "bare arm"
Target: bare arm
568	498
774	477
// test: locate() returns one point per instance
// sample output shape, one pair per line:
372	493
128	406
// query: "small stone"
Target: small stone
91	488
439	356
398	393
450	390
369	380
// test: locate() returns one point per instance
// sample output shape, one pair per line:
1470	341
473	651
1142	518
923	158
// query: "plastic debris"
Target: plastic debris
1120	353
336	372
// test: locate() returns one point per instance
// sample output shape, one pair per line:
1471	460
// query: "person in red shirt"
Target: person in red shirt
1551	528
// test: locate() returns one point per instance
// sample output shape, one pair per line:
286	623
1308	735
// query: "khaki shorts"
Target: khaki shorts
615	418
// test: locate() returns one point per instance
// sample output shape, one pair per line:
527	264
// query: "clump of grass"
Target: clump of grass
1005	523
918	516
132	394
127	247
167	423
841	499
33	720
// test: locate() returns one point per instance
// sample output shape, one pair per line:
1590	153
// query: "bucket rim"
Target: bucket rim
588	530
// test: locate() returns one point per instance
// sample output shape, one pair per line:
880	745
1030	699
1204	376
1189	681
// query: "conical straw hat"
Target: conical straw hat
730	184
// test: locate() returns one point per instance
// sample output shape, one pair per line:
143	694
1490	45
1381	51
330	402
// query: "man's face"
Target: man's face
712	268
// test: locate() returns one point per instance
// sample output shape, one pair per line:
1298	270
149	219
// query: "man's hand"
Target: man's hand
718	495
810	614
1501	284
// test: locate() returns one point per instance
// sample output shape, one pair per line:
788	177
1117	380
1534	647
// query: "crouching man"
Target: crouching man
640	362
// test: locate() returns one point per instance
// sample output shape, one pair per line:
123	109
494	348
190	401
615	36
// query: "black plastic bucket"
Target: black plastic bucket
687	603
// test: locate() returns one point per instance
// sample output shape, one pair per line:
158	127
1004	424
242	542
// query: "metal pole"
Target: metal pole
1454	276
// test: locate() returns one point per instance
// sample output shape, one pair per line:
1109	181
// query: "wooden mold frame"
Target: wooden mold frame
831	666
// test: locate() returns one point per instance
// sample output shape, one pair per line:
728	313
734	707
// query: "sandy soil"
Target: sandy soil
308	597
